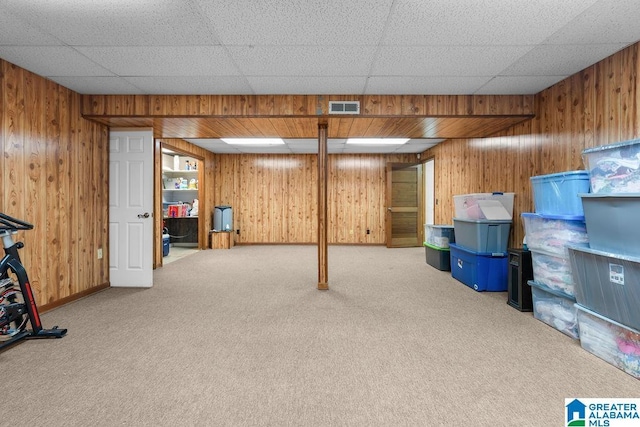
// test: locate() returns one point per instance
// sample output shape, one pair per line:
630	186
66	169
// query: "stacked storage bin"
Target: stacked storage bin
482	224
607	275
437	240
557	223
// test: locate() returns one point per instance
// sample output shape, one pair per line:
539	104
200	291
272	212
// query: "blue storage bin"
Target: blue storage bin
557	193
165	244
479	271
484	236
554	308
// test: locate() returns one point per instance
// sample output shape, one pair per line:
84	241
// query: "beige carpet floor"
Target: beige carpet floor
242	337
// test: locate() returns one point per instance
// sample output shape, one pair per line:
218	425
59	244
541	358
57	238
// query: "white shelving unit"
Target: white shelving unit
178	187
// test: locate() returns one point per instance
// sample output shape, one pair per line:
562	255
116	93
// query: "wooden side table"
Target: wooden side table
220	239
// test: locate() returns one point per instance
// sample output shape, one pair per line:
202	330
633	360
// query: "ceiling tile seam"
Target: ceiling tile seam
376	53
26	22
195	6
543	42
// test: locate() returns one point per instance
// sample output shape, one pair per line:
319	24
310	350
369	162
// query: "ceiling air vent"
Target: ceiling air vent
344	107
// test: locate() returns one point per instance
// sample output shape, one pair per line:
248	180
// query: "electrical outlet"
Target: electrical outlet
368	231
99	253
350	231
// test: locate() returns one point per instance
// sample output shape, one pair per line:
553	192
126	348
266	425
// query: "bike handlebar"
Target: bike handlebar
9	223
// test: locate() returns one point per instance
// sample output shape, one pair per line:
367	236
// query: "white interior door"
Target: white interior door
429	191
131	208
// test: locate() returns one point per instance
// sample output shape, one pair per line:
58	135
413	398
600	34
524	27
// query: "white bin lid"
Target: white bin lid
493	209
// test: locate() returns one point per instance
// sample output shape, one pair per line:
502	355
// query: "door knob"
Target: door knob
390	209
144	215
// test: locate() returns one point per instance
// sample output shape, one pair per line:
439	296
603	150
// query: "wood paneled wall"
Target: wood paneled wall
54	163
205	192
597	106
54	174
274	197
302	105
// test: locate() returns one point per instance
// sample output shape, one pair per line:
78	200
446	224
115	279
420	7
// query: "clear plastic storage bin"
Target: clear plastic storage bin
558	193
497	206
614	168
553	233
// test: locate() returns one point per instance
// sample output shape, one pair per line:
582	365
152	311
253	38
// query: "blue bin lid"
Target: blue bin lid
580	173
545	216
482	254
551	291
611	146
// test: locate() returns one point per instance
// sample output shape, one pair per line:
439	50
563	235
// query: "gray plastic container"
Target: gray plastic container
223	218
607	283
486	236
612	222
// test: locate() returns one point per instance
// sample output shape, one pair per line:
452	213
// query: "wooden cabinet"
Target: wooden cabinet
221	240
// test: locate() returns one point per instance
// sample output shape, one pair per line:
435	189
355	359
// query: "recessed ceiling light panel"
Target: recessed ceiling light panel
377	141
253	141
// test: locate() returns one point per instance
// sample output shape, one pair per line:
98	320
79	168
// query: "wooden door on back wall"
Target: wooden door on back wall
404	205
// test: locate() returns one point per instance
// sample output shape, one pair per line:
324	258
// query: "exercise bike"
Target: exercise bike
17	304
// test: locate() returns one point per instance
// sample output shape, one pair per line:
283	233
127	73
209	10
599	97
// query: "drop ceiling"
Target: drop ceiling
358	47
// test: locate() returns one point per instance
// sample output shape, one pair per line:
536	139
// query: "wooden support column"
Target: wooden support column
323	275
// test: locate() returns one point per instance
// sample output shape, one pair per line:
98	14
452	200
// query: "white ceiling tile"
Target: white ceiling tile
464	22
559	60
414	148
52	61
607	21
292	85
303	60
117	23
192	85
281	149
107	85
163	60
214	145
518	85
19	33
310	22
356	148
445	60
313	46
393	85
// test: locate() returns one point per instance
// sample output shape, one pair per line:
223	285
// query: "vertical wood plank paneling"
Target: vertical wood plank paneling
595	107
12	126
57	272
276	198
591	108
51	159
68	142
35	168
